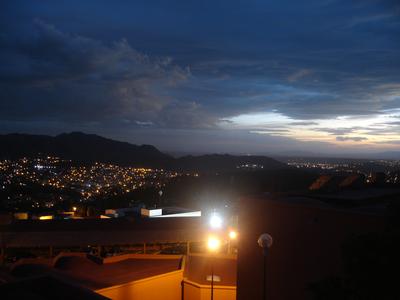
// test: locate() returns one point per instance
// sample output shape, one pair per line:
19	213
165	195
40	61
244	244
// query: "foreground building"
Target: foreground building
307	239
132	276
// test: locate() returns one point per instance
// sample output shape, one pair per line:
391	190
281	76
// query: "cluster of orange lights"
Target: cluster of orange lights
214	240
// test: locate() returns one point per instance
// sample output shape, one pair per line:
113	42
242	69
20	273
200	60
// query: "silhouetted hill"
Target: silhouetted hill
81	147
88	148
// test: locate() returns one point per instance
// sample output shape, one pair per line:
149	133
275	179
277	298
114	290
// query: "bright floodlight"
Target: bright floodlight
232	234
213	243
215	221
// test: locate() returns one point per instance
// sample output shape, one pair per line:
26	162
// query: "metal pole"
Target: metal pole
265	242
182	290
212	278
264	277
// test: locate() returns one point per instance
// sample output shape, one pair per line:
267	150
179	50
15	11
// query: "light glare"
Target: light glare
213	243
215	221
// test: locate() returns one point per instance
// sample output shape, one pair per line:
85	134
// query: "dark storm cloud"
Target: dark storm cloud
271	131
303	123
339	131
112	66
77	78
396	142
350	138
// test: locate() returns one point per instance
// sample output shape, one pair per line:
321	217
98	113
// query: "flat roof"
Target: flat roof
46	287
361	194
92	275
339	202
99	224
83	232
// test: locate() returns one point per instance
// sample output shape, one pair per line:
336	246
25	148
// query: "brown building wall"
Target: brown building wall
307	246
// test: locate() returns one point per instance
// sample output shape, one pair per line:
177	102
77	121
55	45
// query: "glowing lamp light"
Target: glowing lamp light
213	243
232	235
74	208
215	221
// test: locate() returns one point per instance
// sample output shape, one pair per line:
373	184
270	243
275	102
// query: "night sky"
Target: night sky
205	76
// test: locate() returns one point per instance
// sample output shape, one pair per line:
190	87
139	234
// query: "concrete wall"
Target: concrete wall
117	258
166	286
194	291
50	262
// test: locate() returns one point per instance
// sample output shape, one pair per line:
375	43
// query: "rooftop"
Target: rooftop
100	232
45	287
96	275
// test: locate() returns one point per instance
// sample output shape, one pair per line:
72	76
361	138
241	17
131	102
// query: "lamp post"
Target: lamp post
213	245
232	236
265	242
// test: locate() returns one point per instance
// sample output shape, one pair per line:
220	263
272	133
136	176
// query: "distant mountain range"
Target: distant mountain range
388	155
395	155
88	148
80	147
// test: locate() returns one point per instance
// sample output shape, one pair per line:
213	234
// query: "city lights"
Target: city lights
86	182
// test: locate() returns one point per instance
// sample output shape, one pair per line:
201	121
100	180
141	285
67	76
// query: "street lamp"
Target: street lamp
215	221
265	242
232	235
213	244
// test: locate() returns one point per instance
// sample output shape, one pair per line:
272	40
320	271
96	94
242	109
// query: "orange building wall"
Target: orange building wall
117	258
191	292
194	291
166	286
